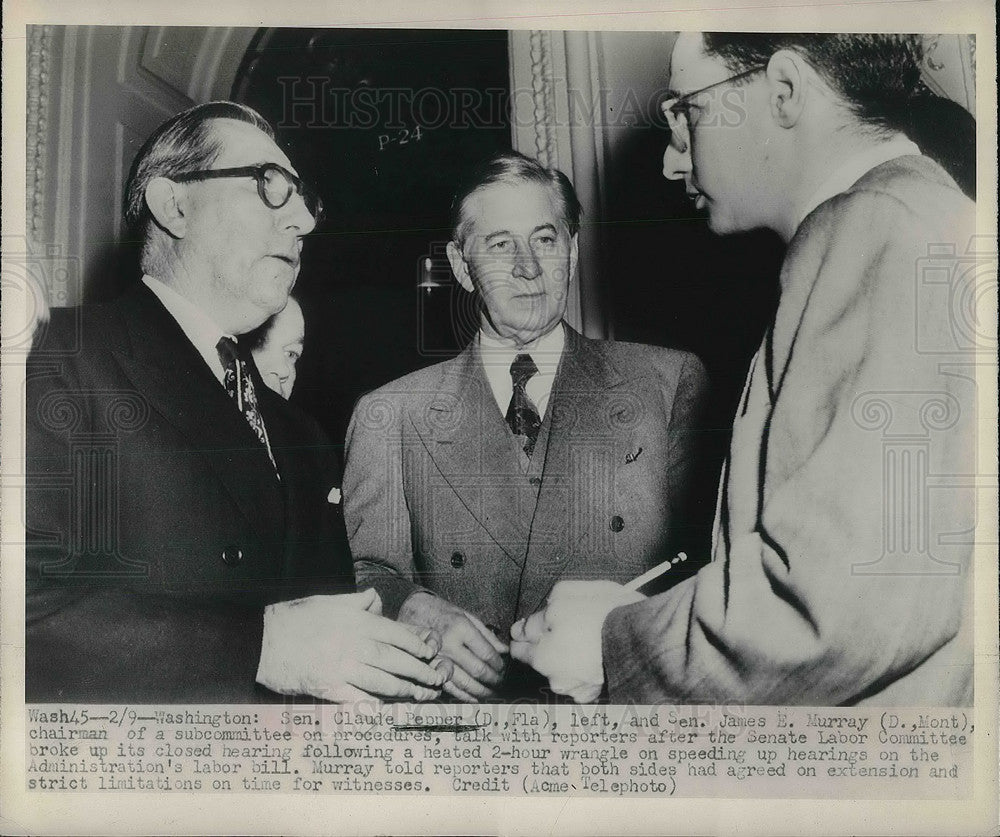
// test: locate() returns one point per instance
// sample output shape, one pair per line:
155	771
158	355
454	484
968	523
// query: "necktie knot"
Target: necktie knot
228	352
522	369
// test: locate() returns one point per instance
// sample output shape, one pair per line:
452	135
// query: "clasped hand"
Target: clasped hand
477	655
563	640
340	648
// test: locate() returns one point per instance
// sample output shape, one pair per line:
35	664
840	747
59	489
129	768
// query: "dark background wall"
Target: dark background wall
383	122
347	104
672	282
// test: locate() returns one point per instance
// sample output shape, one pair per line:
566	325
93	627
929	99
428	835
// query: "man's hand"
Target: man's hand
340	648
563	641
465	641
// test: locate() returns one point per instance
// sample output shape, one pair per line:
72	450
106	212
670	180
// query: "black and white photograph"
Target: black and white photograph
424	407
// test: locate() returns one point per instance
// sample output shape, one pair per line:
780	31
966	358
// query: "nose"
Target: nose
676	159
287	382
526	263
296	217
283	379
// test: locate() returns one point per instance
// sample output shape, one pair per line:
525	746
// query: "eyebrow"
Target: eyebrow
546	226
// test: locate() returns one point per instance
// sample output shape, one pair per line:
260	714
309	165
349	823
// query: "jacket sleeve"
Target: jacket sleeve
375	505
832	590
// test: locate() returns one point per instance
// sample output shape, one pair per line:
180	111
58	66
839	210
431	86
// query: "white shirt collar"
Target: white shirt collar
855	167
497	357
200	329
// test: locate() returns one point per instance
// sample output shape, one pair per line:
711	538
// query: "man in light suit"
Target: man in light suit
185	538
472	486
843	537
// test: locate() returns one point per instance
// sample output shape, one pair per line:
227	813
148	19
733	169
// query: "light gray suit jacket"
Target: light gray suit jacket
843	554
437	495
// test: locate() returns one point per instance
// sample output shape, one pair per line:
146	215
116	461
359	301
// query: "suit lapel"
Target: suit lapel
470	445
582	414
172	376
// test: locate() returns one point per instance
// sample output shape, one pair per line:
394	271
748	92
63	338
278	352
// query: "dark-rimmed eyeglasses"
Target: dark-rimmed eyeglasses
678	110
275	185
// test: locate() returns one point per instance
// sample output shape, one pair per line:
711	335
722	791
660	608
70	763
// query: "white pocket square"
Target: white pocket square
333	496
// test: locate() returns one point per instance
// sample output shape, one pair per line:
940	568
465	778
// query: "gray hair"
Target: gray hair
182	144
512	168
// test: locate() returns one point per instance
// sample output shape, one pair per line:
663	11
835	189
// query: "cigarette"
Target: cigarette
656	572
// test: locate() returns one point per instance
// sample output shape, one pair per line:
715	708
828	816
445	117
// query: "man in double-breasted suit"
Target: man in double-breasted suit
472	486
183	521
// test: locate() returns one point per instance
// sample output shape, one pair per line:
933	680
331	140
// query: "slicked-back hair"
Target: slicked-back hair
874	75
183	143
512	168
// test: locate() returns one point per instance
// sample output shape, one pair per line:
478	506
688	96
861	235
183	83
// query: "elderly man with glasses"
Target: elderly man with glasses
185	540
843	536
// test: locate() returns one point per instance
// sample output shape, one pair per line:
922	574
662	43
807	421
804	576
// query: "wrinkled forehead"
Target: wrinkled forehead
513	206
243	144
690	67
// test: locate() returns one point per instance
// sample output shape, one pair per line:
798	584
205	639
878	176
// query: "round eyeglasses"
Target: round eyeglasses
678	110
275	185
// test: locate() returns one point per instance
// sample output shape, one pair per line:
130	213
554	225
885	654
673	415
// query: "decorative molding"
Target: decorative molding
949	68
540	43
222	67
38	69
554	75
931	43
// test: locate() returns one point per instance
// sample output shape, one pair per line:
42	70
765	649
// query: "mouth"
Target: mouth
698	199
291	261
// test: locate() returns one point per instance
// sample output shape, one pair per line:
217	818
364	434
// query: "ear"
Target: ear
459	266
787	75
166	204
574	252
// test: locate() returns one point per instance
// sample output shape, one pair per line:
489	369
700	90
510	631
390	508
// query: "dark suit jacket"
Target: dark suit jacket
157	529
436	496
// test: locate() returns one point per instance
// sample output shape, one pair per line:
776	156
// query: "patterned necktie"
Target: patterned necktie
522	415
240	387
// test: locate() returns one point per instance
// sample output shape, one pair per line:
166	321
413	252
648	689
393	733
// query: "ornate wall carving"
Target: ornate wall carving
949	68
38	72
543	97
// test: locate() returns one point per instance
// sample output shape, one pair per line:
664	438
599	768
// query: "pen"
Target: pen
656	572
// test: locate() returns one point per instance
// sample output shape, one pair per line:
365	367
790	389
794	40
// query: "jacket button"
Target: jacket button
232	555
536	481
617	524
457	560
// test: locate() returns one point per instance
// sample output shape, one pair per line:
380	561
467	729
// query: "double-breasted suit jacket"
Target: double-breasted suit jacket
440	497
157	527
